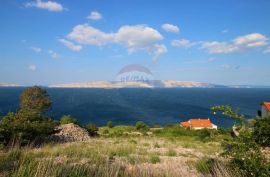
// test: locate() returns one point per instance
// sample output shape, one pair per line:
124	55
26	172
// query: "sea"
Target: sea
126	106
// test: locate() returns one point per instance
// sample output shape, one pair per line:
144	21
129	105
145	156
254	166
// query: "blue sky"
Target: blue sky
53	42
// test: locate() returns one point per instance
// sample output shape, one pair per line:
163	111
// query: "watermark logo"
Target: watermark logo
134	73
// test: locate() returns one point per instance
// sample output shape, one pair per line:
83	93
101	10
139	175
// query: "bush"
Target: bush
67	119
261	132
154	159
245	154
92	129
109	124
140	125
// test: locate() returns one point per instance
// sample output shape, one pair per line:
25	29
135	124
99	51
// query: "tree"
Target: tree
35	100
228	111
29	123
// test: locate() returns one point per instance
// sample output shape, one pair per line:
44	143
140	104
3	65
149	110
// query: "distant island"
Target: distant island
139	84
8	85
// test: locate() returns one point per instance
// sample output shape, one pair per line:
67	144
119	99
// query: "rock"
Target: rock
69	133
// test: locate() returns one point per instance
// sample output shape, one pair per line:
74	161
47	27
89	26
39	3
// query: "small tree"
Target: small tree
67	119
109	124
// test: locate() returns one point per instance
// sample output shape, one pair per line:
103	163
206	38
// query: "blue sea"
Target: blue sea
153	106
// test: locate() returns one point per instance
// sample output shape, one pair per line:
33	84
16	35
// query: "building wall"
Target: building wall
265	112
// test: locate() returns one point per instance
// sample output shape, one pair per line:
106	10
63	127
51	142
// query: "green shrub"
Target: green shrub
245	154
109	124
67	119
261	132
154	159
140	125
92	129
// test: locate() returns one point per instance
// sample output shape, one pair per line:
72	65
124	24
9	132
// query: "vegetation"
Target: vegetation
67	119
127	150
109	124
30	122
228	111
140	125
261	133
92	129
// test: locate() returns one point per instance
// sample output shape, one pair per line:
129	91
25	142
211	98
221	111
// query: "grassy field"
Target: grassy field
120	151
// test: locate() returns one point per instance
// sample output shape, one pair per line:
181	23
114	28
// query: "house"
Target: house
198	124
265	109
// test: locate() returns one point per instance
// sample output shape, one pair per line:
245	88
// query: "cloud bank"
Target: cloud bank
132	37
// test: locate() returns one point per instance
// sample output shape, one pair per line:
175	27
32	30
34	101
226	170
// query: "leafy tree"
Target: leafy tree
67	119
29	123
35	100
92	129
261	131
228	111
109	124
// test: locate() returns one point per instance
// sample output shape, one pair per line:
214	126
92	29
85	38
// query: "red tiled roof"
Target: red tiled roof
200	123
185	124
266	105
206	123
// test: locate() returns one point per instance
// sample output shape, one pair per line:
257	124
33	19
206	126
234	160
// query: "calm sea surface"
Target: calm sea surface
154	106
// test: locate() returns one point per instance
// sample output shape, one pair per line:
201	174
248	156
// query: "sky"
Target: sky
65	41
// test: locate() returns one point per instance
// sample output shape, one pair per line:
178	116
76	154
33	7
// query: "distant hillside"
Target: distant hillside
149	84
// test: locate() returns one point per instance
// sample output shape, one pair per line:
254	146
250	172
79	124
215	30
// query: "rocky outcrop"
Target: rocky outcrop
69	133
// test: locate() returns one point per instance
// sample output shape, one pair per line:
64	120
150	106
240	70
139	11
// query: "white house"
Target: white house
198	124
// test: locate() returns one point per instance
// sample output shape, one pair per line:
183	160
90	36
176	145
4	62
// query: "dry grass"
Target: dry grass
112	156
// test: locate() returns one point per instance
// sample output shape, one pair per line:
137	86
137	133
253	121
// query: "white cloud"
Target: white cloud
70	45
94	15
183	43
215	47
48	5
251	40
36	49
137	37
134	38
53	54
170	28
267	50
159	49
85	34
241	43
32	67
